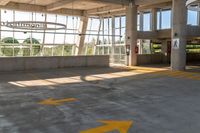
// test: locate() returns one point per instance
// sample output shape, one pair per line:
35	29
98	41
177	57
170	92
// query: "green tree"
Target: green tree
10	40
34	41
8	49
35	47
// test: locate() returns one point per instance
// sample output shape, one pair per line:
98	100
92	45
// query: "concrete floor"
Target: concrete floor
153	100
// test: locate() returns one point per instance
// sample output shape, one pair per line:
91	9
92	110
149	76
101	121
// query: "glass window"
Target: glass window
138	22
164	19
147	21
158	20
192	17
63	36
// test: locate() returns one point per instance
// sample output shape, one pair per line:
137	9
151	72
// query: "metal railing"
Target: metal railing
117	57
23	50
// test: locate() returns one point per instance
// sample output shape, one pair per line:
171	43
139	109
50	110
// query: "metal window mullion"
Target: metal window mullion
113	39
0	24
141	21
74	44
75	29
198	16
0	32
99	29
55	30
103	30
44	36
108	31
66	29
160	25
65	36
54	37
31	38
171	19
120	32
13	34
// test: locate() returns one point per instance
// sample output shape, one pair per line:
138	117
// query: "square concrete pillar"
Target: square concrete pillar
131	33
179	29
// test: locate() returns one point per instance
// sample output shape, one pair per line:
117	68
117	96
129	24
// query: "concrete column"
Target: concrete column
131	32
154	19
179	29
82	31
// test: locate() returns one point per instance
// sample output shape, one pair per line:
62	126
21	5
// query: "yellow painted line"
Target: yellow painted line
143	71
121	126
173	73
52	101
196	78
180	74
165	72
147	68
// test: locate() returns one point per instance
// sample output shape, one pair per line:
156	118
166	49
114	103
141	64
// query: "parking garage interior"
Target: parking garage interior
99	66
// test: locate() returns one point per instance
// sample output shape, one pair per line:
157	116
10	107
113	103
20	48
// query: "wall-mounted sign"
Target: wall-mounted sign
176	43
34	25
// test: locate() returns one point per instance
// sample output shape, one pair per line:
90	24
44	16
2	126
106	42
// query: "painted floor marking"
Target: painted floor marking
149	72
180	74
55	102
110	125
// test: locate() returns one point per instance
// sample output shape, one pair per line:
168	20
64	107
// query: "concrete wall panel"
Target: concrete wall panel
150	59
35	63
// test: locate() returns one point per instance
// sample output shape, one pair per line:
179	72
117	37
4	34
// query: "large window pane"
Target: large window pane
192	17
147	21
166	19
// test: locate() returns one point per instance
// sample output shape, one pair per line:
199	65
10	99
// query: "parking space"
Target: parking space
100	100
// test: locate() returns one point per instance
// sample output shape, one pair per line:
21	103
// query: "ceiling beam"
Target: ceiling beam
161	5
118	2
4	2
106	9
121	9
40	9
150	2
59	5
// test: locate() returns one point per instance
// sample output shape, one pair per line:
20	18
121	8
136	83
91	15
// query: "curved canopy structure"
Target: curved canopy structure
193	5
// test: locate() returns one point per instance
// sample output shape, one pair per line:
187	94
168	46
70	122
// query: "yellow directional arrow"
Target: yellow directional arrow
52	101
121	126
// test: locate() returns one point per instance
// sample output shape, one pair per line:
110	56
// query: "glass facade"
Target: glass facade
49	42
104	35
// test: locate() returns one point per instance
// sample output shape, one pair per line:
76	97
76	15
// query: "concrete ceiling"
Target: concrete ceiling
91	6
85	5
37	2
77	4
